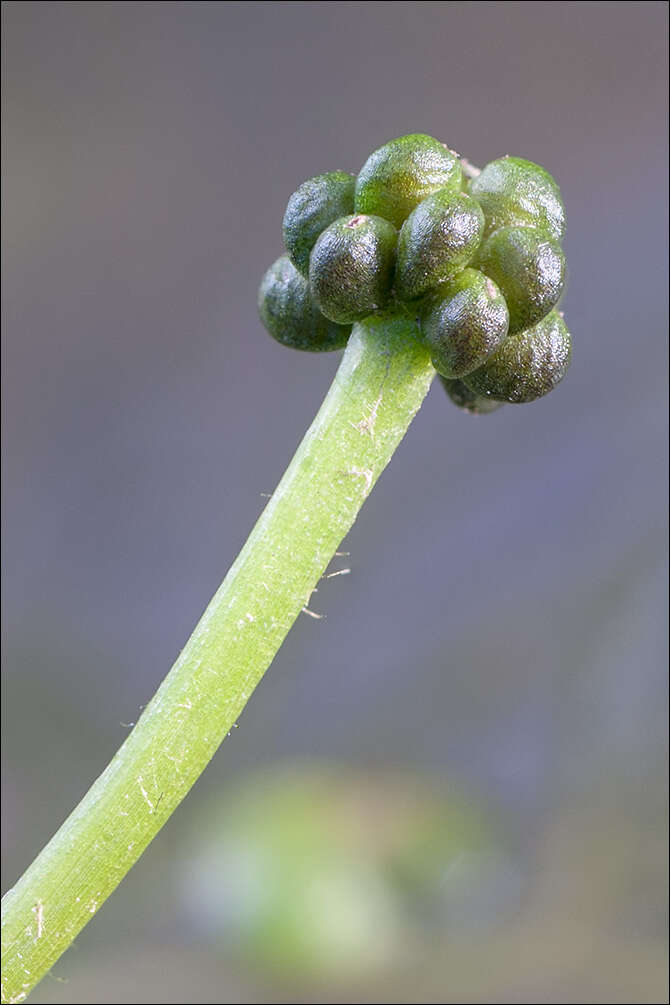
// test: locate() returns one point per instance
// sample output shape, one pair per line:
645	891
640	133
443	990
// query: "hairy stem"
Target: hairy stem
381	382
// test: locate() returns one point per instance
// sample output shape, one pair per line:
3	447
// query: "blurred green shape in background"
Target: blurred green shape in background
324	872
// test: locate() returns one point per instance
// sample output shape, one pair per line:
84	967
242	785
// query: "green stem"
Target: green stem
382	380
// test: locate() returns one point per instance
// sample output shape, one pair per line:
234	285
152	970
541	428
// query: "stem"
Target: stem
382	380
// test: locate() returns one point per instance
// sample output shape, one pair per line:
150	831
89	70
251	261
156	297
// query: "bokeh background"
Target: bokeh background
501	639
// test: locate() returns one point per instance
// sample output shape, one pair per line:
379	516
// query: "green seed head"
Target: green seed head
464	322
514	192
291	316
351	267
529	268
527	365
399	175
477	261
437	239
314	206
464	398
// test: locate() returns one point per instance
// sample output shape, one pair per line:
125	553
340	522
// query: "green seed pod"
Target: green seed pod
351	267
314	206
399	175
461	395
464	322
529	268
437	239
290	315
514	192
527	365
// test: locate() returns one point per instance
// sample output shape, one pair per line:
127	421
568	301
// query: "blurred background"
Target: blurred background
473	740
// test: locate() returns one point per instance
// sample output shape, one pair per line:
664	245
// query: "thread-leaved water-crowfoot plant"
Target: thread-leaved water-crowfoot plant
420	264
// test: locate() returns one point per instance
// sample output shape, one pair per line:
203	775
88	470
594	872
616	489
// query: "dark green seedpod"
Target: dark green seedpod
290	315
314	206
398	176
527	365
464	322
436	240
529	268
351	267
514	192
466	399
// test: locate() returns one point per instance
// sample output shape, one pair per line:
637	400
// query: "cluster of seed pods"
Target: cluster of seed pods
473	256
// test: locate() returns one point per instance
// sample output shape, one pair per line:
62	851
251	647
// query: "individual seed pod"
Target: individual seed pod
529	268
527	365
464	322
351	267
436	240
314	206
399	175
466	399
290	315
514	192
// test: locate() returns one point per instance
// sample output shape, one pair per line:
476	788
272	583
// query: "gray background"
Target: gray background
504	625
